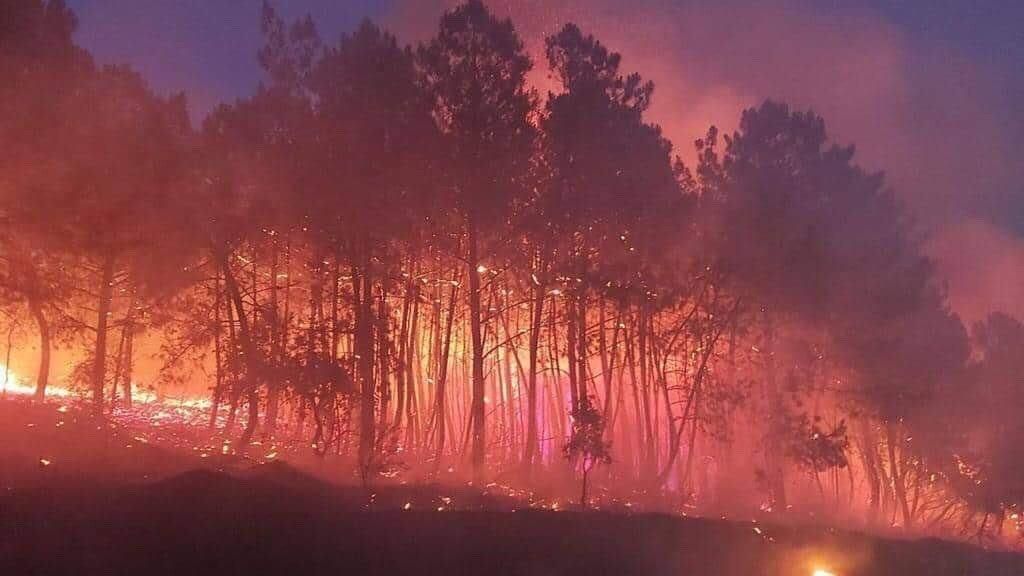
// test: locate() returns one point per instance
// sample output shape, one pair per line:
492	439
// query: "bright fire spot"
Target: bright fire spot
822	572
44	461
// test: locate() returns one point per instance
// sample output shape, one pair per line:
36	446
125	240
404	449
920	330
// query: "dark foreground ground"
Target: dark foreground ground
58	519
211	523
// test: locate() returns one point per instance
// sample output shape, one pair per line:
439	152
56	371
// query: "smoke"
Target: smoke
982	265
937	121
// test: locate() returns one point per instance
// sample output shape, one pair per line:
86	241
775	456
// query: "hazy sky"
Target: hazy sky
932	91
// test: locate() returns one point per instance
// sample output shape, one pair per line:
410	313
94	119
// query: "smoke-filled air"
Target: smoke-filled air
464	270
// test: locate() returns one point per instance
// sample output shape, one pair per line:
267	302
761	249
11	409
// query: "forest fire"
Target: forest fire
402	279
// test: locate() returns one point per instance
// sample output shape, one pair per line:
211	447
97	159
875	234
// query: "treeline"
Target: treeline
407	255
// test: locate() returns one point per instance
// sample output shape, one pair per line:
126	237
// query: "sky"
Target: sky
930	91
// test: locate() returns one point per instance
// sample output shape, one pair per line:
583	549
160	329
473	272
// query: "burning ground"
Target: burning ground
83	498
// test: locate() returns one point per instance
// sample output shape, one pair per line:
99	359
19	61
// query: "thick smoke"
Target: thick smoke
934	119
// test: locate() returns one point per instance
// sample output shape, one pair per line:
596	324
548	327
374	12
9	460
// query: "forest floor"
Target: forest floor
81	498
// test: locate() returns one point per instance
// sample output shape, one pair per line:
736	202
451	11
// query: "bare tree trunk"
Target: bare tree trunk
7	358
442	376
129	363
412	417
773	457
218	384
477	414
570	353
649	446
276	353
383	356
403	368
869	456
583	491
43	377
898	474
581	347
364	352
531	384
248	350
99	364
118	363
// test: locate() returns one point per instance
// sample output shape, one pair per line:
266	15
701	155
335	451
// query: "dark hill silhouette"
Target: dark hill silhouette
279	521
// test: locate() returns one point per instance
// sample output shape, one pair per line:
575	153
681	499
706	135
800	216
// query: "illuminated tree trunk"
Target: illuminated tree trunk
650	456
639	429
607	364
99	364
43	377
412	418
506	362
536	320
571	352
403	367
558	412
773	456
581	346
274	319
118	363
477	414
7	357
365	361
897	473
254	363
129	364
218	384
234	377
383	355
440	406
869	458
252	400
248	351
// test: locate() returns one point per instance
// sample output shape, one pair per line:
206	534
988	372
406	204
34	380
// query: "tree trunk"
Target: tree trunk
583	492
581	350
7	357
248	350
276	345
477	414
43	377
218	385
442	377
118	364
365	361
773	457
868	456
129	363
99	364
898	474
531	384
383	356
412	419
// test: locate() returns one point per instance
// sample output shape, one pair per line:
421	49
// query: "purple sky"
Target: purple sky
932	91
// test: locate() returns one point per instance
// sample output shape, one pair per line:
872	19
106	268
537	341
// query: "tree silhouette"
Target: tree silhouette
475	72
